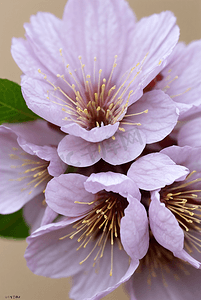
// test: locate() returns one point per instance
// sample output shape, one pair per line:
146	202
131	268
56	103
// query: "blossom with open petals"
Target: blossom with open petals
99	241
86	73
174	210
28	161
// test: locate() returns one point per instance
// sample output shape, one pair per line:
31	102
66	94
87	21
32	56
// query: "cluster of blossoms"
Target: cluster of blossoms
110	180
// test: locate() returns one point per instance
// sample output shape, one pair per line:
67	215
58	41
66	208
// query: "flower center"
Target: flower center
93	101
183	201
101	225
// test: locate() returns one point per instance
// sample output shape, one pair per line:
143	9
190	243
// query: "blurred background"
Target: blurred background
15	277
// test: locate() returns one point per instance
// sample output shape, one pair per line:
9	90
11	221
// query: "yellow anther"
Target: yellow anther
121	129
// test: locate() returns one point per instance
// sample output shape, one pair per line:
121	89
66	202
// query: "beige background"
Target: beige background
15	277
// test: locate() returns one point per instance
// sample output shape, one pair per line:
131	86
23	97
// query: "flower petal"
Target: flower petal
41	50
115	182
96	134
49	216
77	152
125	147
156	36
190	134
164	225
186	156
62	192
50	256
155	170
33	212
49	135
134	229
35	93
100	25
160	119
182	74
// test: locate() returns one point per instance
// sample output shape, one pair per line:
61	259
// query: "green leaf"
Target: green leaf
13	226
13	108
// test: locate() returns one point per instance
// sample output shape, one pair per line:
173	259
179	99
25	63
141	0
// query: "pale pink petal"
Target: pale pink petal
62	192
109	181
43	35
25	57
164	225
33	212
103	29
78	152
156	37
96	134
134	229
49	135
188	258
35	93
186	156
127	146
182	74
49	216
160	119
155	170
48	256
190	134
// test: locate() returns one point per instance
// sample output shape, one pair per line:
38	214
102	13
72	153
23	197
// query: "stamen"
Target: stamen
113	67
183	203
100	225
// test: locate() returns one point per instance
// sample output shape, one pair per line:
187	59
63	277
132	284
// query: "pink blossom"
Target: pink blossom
99	241
169	269
28	161
86	73
174	209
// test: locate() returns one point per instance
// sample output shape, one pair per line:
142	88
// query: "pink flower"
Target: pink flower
28	161
174	210
101	237
166	271
86	73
